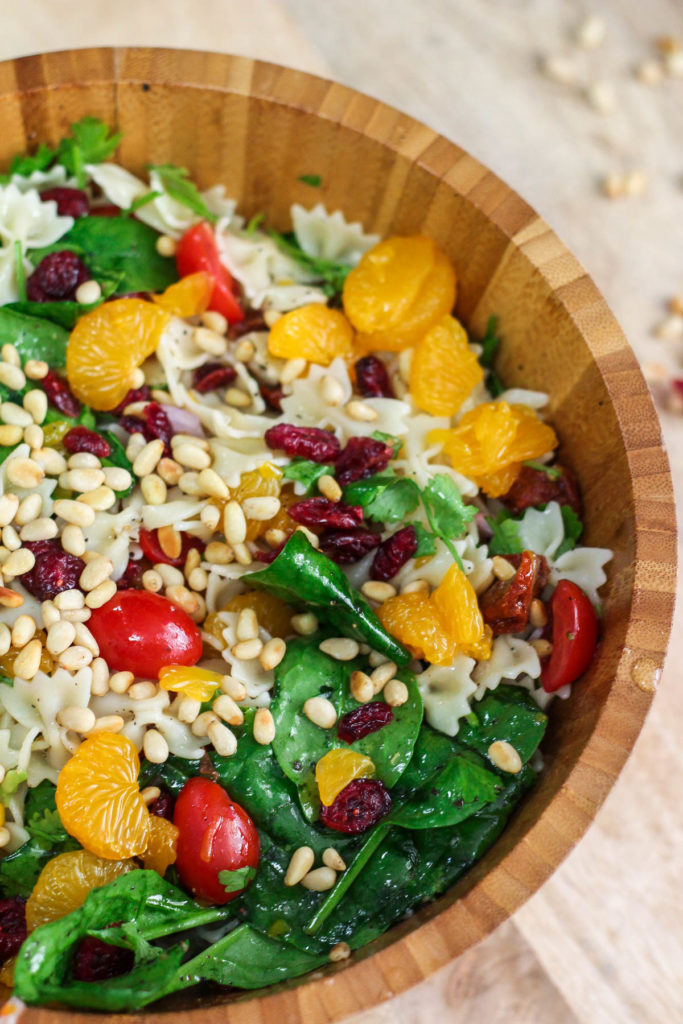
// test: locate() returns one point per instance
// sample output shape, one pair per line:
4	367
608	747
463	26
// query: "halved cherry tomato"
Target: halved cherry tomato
140	632
215	835
574	636
197	250
151	548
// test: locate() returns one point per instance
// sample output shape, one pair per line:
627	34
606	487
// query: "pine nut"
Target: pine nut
332	859
85	638
538	617
68	599
242	554
88	292
5	638
170	541
340	648
14	415
155	747
120	682
10	435
247	650
264	727
169	471
78	719
377	591
153	489
171	576
184	598
166	245
76	615
361	411
23	630
96	572
245	351
247	625
320	879
502	568
107	723
27	662
149	794
226	709
33	436
416	587
9	354
329	487
50	461
321	712
272	653
261	509
36	369
209	341
50	614
212	484
309	535
210	517
362	688
74	512
271	316
234	523
35	404
301	862
505	757
188	484
340	951
224	742
198	580
75	657
188	709
200	442
192	456
200	726
5	836
152	581
100	677
39	529
542	647
60	635
146	461
275	537
29	509
305	624
73	540
24	473
12	377
10	538
18	563
142	691
10	598
215	321
395	693
238	398
234	688
218	553
101	498
332	390
381	675
117	478
81	480
9	504
84	460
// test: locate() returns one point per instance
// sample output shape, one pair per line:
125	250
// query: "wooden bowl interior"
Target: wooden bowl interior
257	128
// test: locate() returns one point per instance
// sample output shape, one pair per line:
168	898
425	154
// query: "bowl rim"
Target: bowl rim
404	956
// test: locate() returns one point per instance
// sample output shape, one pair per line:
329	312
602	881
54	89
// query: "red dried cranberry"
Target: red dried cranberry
152	549
71	202
363	720
268	556
155	424
348	546
362	457
105	210
59	394
393	553
358	807
252	322
95	960
372	379
305	442
537	487
272	397
56	277
142	394
80	439
12	926
323	512
211	376
132	576
55	569
162	807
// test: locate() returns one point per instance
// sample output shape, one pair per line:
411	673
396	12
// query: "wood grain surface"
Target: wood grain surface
600	941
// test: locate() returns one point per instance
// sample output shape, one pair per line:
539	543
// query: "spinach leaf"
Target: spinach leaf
34	337
300	575
19	870
171	775
328	273
176	182
505	529
455	792
117	457
306	672
489	343
42	817
5	680
510	714
573	528
307	473
64	313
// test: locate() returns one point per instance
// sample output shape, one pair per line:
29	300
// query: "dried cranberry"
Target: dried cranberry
393	553
155	424
162	807
323	512
252	322
362	457
95	960
211	376
152	549
372	379
56	277
71	202
80	439
363	720
306	442
59	394
132	576
268	556
272	397
142	394
539	486
55	569
348	546
12	926
358	807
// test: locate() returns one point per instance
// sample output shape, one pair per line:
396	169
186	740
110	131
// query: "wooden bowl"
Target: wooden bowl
257	128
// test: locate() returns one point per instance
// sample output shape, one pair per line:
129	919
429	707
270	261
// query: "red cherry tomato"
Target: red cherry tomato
140	632
215	835
197	250
574	636
151	548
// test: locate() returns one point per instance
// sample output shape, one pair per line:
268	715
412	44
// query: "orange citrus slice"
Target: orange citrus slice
444	369
187	297
337	768
66	880
314	332
379	293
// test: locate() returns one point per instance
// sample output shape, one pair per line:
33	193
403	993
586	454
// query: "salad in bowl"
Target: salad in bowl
289	582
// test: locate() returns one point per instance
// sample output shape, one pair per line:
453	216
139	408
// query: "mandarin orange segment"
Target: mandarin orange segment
414	620
99	800
492	440
107	345
379	293
162	848
190	681
187	297
337	768
66	880
435	299
314	332
456	603
273	614
443	370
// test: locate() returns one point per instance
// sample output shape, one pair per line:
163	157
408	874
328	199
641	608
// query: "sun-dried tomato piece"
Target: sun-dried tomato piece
323	512
71	202
348	546
80	439
362	457
542	572
272	396
305	442
535	487
393	553
60	395
211	376
505	605
95	960
372	379
252	322
358	807
360	722
12	926
54	570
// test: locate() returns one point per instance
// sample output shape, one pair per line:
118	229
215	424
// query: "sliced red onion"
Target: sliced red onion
183	422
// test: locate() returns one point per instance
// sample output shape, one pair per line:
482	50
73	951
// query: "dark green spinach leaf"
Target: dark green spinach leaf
510	714
34	337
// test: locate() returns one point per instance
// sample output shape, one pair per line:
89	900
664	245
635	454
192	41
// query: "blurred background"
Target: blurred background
578	106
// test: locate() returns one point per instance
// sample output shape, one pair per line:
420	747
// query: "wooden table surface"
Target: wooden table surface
602	942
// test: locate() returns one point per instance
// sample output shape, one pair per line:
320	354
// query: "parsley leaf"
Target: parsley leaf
505	539
331	275
254	223
550	471
235	881
177	184
447	513
425	541
385	497
26	165
307	473
143	200
89	143
314	180
489	343
573	528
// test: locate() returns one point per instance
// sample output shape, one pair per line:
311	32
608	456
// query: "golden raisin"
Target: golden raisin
46	660
273	614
